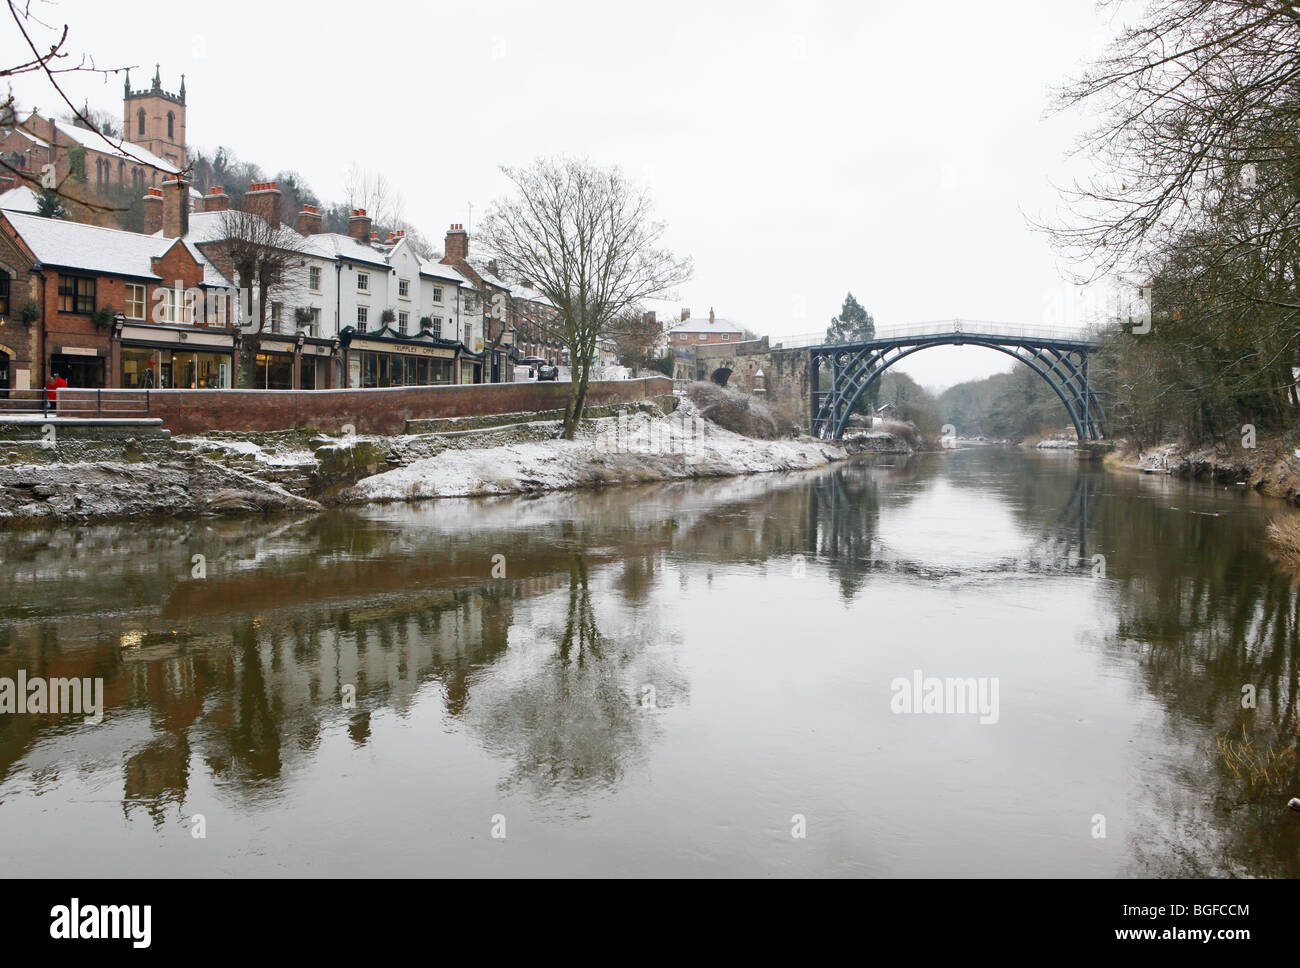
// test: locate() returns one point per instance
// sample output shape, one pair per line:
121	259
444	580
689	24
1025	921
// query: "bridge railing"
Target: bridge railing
948	327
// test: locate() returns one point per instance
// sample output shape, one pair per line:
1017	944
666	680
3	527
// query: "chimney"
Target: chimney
374	237
153	211
710	315
176	208
457	245
359	225
309	221
263	198
216	200
686	314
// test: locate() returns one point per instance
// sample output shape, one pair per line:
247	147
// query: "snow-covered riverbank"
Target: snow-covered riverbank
611	451
234	473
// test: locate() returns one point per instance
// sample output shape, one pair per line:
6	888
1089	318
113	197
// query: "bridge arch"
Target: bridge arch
1060	360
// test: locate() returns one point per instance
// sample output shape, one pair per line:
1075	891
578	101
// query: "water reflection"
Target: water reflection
576	673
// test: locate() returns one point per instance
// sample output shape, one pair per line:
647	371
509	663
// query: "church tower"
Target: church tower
154	119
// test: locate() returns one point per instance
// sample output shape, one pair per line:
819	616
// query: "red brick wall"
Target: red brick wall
375	411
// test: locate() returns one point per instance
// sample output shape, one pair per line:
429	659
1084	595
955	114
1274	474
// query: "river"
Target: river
700	678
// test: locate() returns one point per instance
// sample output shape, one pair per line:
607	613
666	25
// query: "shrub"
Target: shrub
734	411
900	429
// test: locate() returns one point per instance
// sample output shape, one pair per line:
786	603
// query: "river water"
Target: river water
703	678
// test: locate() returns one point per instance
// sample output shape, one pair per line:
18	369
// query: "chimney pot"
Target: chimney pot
263	199
359	225
176	208
153	211
456	245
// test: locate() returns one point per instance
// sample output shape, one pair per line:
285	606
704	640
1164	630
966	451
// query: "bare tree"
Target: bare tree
1199	190
50	57
1197	97
263	256
373	191
585	238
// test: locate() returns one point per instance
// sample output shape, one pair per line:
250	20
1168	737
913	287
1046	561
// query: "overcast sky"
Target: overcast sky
796	150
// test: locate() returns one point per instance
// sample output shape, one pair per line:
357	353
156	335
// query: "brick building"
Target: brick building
87	166
107	308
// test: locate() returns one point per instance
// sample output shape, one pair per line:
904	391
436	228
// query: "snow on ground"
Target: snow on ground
616	450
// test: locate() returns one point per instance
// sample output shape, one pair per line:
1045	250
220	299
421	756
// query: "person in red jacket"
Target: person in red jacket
53	386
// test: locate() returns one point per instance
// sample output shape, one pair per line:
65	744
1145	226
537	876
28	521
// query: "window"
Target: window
404	288
726	336
171	126
313	278
469	334
139	120
681	337
277	317
76	295
363	280
217	302
402	319
363	314
134	301
4	293
437	326
437	293
177	306
313	328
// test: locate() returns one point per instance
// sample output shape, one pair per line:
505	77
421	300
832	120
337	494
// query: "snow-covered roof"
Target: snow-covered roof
108	146
20	199
333	245
438	270
486	275
74	245
520	291
706	325
211	227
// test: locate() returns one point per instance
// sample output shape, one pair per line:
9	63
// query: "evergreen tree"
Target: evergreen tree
855	325
49	205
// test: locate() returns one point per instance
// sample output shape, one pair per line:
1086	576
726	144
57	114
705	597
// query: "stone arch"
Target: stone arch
721	375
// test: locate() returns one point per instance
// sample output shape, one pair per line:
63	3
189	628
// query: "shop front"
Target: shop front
377	361
81	366
159	357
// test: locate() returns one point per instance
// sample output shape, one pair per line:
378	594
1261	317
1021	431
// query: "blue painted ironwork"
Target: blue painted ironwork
1059	356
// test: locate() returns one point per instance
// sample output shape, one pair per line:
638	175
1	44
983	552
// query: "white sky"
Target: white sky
796	150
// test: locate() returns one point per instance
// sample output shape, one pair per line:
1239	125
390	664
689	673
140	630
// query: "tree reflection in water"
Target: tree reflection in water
241	676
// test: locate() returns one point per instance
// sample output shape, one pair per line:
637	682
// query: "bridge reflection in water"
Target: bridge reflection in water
227	690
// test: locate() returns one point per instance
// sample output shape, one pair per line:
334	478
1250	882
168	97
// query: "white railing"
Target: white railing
945	327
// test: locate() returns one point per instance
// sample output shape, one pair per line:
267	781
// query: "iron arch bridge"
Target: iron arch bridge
1059	356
